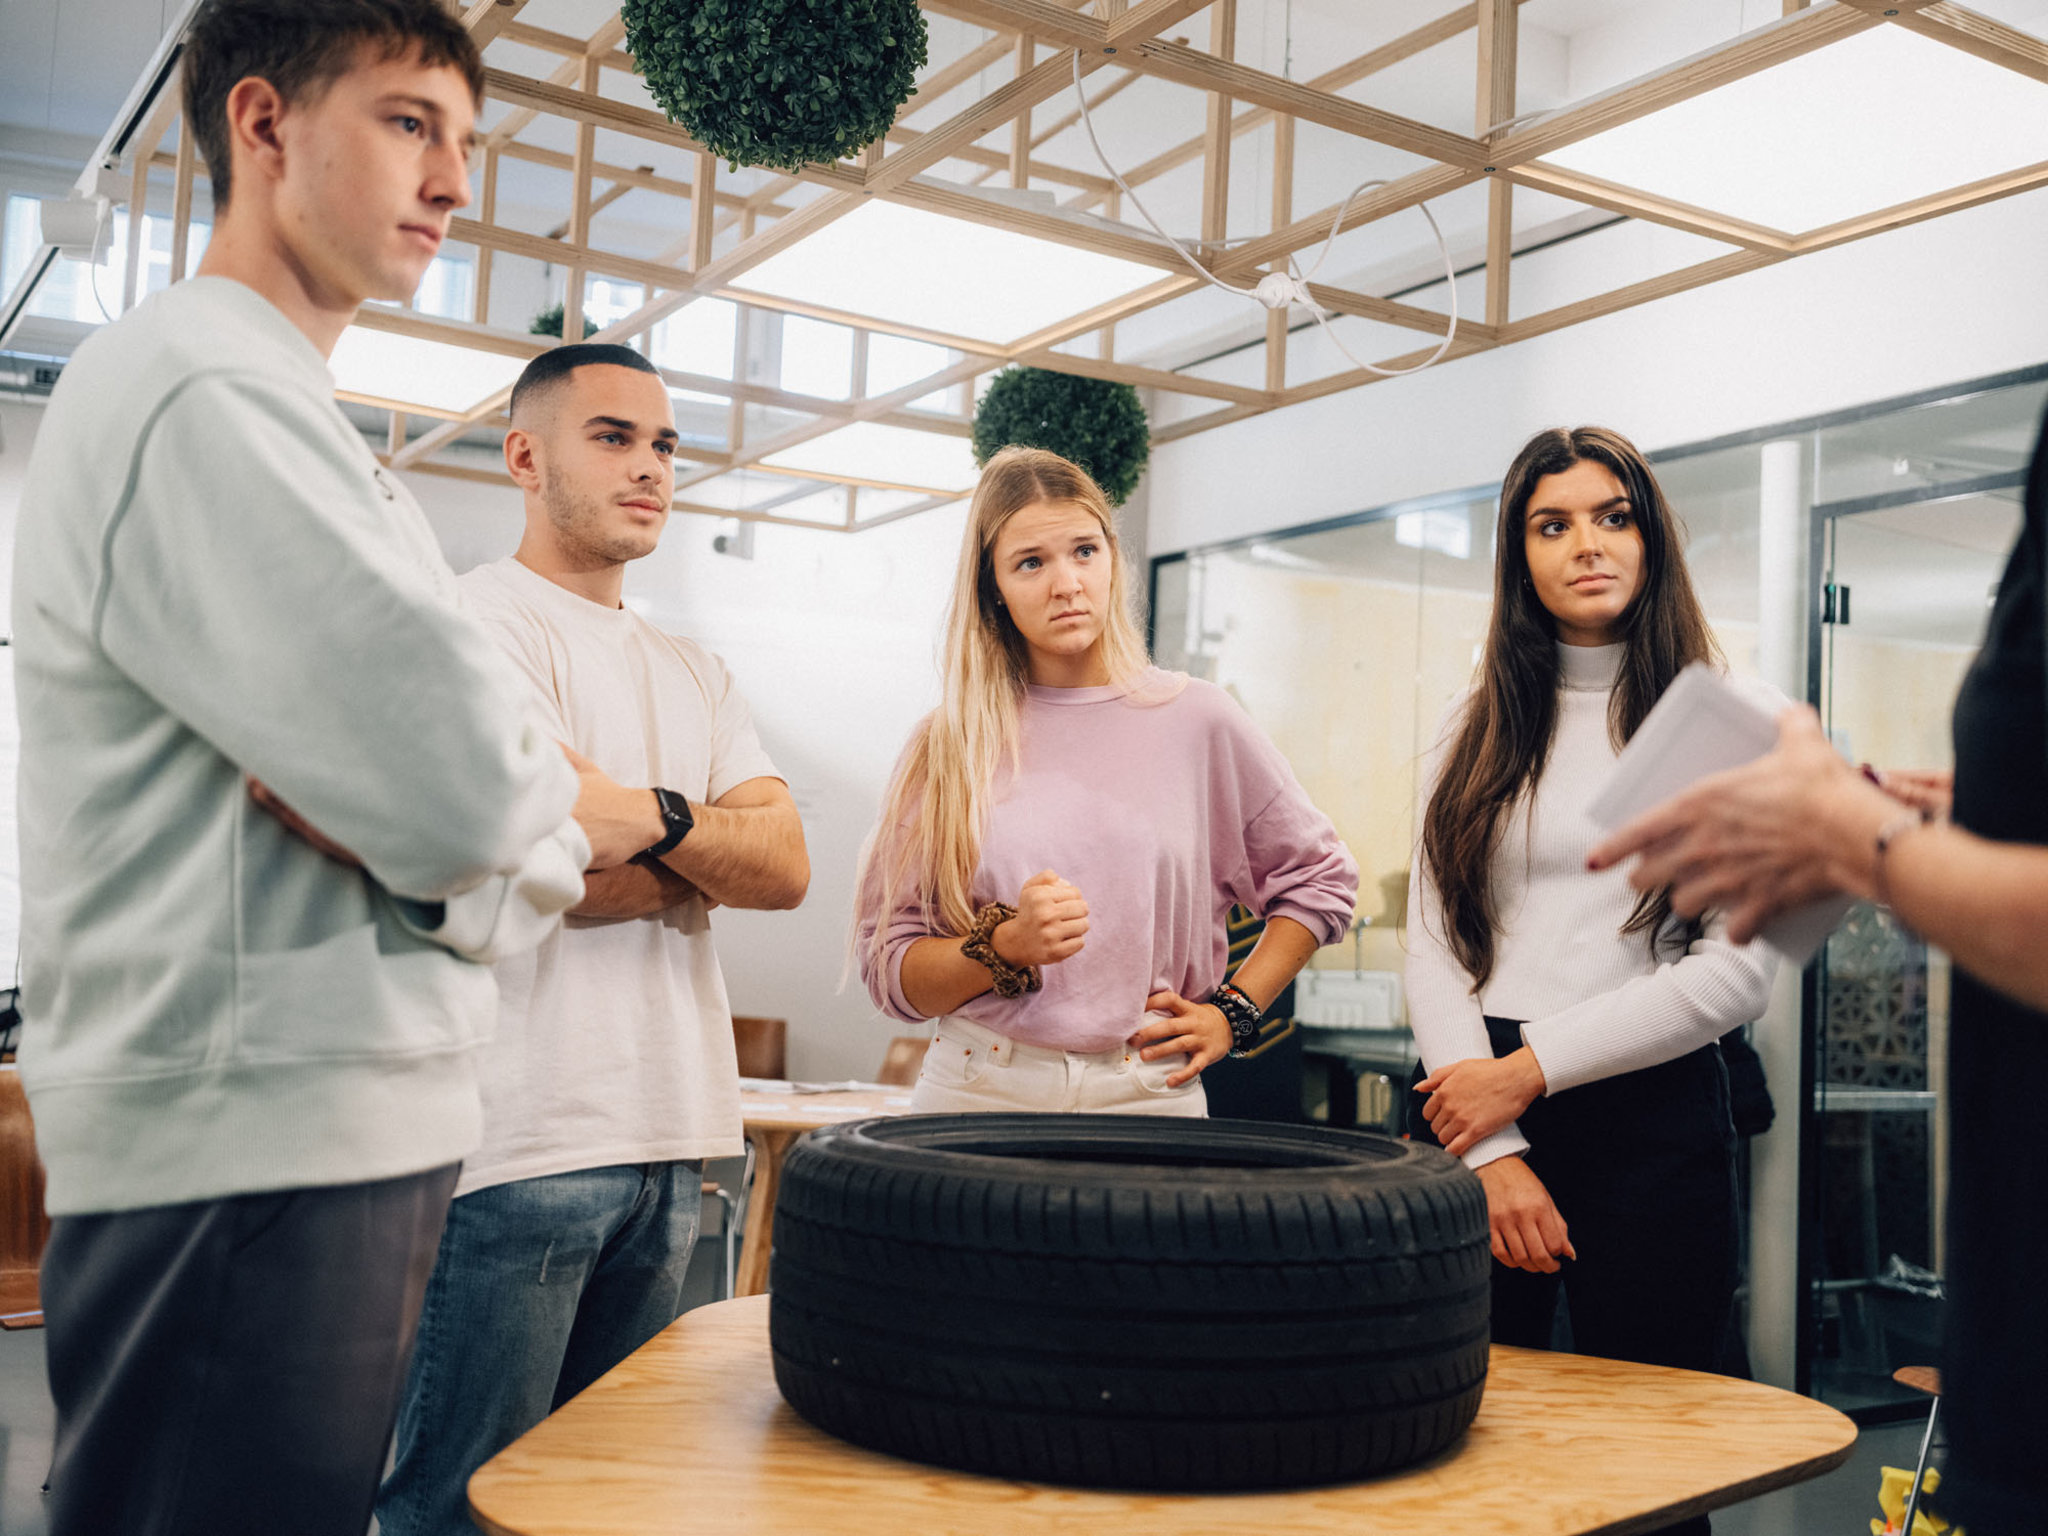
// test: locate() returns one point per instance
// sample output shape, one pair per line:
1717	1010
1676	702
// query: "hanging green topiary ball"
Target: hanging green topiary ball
1098	424
549	323
778	83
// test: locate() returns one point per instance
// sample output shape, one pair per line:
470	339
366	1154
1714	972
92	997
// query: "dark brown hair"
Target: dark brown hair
301	47
1503	738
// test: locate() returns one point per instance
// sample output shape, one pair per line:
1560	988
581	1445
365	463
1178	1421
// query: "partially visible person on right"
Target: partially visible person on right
1800	823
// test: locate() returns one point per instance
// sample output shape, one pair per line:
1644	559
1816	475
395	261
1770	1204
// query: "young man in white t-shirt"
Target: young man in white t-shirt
612	1074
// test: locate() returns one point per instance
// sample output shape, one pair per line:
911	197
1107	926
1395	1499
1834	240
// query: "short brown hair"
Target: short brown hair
301	47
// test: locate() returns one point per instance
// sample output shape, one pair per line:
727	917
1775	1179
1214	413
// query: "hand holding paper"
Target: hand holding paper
1726	807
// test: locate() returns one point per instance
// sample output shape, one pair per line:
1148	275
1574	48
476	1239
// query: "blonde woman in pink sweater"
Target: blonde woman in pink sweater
1067	831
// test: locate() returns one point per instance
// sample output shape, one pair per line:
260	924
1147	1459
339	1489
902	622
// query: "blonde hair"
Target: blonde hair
936	811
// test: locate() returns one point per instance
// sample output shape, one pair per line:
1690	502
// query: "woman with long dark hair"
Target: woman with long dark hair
1567	1025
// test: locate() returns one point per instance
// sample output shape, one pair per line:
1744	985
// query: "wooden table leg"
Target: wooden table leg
770	1147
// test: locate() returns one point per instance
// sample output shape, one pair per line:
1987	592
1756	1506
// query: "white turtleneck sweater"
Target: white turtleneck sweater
1597	1002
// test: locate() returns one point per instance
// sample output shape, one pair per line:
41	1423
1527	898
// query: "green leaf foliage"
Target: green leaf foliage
1098	424
778	83
549	323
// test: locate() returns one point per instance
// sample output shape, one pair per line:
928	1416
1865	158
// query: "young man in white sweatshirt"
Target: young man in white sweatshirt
251	1063
612	1074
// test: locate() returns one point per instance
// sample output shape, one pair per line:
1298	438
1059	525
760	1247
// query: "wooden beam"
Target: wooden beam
1499	47
565	45
181	202
515	242
515	123
1280	216
1638	204
1469	341
1038	84
960	204
579	210
142	150
1216	152
1207	420
1732	265
1989	190
1789	38
1044	19
1416	187
998	160
1144	378
454	333
484	20
1185	66
487	215
1391	312
1386	56
703	209
1977	34
1020	125
1150	19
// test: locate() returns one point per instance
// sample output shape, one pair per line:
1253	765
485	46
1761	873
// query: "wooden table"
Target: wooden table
689	1434
774	1120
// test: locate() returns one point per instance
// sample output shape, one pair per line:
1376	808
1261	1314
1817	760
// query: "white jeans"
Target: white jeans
969	1066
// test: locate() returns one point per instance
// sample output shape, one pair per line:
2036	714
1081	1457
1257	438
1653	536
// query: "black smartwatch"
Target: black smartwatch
1244	1015
675	817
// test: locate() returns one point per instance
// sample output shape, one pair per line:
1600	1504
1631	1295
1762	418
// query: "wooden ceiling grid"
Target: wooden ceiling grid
998	134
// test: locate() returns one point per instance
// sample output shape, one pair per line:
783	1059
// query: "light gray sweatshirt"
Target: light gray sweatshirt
215	579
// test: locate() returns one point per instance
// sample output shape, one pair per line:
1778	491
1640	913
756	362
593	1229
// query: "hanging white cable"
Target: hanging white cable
1277	290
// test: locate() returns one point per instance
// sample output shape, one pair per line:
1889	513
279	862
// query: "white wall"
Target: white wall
1952	299
832	639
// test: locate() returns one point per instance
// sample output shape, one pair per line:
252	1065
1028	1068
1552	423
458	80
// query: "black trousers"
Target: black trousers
234	1366
1642	1167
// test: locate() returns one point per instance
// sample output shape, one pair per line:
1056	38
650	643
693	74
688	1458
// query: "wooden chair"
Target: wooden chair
24	1227
763	1046
901	1063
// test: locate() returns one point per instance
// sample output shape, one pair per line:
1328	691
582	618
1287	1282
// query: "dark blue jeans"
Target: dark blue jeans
541	1286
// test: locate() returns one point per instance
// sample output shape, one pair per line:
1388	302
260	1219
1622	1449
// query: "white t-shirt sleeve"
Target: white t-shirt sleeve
1443	1011
736	751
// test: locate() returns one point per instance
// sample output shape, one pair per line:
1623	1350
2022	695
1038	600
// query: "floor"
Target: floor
1840	1504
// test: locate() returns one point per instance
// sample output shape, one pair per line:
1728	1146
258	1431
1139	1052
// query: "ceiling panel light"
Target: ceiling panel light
435	375
893	455
896	455
904	266
1876	119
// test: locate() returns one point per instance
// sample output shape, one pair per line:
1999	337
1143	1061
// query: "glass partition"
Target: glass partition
1348	640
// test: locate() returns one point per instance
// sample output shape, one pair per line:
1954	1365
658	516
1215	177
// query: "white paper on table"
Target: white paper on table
1701	726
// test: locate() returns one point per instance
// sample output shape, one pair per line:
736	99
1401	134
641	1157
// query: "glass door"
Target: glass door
1907	581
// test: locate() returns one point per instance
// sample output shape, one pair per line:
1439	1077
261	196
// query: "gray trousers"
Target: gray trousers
234	1366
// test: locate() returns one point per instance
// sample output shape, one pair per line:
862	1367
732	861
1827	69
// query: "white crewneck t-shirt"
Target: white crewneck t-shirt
1597	1002
614	1041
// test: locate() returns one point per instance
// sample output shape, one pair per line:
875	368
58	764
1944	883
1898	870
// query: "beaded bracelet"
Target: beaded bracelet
980	947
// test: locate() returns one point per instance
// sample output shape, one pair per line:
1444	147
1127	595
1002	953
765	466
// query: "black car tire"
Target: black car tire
1131	1301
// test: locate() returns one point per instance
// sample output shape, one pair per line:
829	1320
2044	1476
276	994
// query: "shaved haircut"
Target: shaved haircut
546	374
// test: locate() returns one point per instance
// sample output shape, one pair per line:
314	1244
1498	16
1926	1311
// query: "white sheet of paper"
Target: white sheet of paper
1701	726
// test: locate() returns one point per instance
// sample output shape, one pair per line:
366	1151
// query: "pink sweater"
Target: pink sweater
1163	815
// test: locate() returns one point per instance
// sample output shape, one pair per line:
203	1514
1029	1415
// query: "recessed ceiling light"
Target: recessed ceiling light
926	271
1870	121
434	375
899	456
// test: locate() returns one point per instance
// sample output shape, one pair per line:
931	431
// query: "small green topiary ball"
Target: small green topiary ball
778	83
1098	424
549	323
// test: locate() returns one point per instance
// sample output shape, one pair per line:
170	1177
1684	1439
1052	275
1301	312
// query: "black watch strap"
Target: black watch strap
1246	1018
676	816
